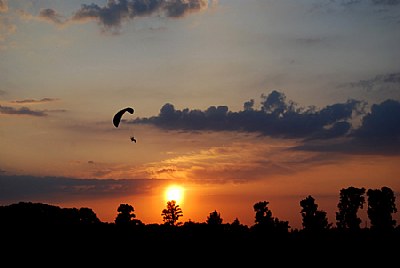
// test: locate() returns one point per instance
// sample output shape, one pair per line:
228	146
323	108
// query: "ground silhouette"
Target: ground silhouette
46	232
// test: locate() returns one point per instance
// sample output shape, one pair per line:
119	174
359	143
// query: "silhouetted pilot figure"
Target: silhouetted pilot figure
133	139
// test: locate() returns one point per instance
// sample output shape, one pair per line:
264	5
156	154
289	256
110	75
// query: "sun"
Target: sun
174	192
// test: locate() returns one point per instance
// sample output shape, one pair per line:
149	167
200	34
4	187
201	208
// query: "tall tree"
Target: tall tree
265	222
88	216
381	206
351	199
263	214
314	220
214	218
172	213
125	214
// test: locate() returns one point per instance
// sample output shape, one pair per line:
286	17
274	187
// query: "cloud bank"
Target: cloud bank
112	15
25	187
21	111
281	118
31	101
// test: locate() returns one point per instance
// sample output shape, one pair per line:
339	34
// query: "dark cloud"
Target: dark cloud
386	2
21	111
382	123
374	2
51	15
180	8
379	133
277	117
379	81
338	129
328	129
349	2
166	170
375	89
340	5
115	12
34	101
17	188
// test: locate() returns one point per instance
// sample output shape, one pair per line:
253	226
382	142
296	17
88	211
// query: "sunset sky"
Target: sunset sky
235	101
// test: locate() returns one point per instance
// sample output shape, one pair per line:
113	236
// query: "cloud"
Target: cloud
180	8
386	2
378	82
330	128
24	187
27	111
378	6
377	88
379	133
111	16
249	158
51	15
381	124
21	111
373	2
32	101
277	117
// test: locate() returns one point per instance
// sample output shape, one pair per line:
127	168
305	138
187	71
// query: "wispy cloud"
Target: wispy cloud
16	188
378	82
330	6
259	158
112	15
33	101
21	111
386	2
377	88
51	15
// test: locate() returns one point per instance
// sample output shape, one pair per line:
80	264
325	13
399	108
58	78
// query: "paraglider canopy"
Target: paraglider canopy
117	117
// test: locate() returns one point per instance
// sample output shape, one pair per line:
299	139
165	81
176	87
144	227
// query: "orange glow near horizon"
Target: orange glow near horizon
174	192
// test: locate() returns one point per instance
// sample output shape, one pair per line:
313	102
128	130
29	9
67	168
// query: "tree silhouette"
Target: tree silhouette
265	222
45	214
314	220
88	216
263	214
237	226
125	215
214	218
351	199
381	205
172	213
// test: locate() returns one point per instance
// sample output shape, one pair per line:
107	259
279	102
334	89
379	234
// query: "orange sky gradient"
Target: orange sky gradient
235	101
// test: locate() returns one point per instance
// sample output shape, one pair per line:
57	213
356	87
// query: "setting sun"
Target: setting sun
174	193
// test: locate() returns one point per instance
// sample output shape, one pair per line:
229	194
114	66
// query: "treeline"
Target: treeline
36	227
380	208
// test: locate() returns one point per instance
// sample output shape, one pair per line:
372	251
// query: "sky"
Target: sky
234	101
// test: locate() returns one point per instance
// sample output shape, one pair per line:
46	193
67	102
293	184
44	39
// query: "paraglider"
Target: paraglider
118	116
